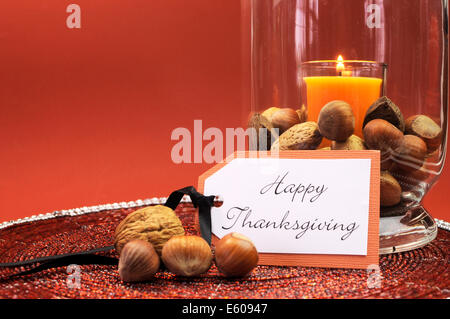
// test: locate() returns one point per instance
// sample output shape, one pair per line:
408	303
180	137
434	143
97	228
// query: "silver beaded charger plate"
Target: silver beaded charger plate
418	273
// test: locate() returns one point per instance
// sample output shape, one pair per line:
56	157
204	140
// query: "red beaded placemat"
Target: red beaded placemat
421	273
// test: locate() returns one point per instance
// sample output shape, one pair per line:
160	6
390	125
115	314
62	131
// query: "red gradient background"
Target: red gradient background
86	114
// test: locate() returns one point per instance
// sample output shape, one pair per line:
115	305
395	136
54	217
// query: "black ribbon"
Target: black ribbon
91	257
204	204
84	258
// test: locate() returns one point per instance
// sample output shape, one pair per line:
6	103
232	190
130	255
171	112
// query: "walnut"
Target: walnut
155	224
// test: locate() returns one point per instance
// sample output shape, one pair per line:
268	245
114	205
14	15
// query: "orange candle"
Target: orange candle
359	92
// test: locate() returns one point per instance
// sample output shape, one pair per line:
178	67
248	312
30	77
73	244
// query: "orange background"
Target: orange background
86	115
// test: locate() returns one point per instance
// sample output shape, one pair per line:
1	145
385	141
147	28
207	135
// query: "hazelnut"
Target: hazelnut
284	119
425	128
303	136
410	155
408	180
382	135
336	121
187	255
269	112
386	161
236	256
263	133
385	109
352	143
390	190
138	261
155	224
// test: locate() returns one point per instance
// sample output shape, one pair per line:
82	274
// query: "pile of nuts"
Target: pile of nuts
404	144
151	236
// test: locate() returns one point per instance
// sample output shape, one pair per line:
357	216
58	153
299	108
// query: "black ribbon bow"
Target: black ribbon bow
204	204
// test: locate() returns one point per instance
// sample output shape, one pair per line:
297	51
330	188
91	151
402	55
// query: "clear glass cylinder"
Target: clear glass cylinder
380	56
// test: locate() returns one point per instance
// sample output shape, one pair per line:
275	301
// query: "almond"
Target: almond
352	143
304	136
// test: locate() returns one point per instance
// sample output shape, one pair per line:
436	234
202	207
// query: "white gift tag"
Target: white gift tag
294	205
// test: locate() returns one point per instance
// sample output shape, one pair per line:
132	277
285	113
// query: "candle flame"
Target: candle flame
340	64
